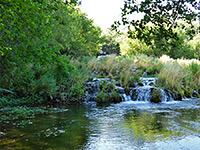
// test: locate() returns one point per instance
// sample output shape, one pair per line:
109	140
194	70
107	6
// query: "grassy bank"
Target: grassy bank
180	76
64	82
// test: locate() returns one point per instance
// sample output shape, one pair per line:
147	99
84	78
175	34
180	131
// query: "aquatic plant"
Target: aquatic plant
21	116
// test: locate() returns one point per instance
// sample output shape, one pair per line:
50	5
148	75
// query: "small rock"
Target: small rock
145	74
134	70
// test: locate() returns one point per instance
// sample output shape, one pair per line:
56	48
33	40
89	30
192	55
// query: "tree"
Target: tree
32	33
110	40
160	19
75	32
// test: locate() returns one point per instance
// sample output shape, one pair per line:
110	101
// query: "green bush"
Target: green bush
33	40
101	97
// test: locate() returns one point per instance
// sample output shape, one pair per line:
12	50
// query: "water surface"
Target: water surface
124	126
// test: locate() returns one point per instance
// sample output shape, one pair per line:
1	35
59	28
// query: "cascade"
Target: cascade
143	93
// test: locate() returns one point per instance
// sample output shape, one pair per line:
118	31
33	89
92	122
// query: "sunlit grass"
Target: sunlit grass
172	75
178	75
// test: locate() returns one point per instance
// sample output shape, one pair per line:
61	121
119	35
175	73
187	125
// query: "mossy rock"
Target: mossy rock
156	96
112	97
140	83
105	86
177	95
127	90
115	97
101	97
188	92
181	92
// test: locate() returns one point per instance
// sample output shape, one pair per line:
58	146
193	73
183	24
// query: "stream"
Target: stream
130	125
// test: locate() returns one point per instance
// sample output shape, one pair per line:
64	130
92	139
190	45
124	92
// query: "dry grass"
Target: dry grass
172	75
181	75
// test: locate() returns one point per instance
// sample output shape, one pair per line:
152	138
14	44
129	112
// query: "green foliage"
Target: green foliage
110	40
26	31
108	97
101	97
195	45
75	33
132	47
105	86
160	25
34	37
107	93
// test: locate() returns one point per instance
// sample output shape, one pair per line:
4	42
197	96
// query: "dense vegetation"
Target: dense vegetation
47	51
34	36
179	76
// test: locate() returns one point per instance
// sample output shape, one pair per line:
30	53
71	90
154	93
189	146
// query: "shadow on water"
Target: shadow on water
66	130
124	126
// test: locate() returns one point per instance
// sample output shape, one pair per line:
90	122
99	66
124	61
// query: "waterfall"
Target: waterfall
148	81
141	93
146	92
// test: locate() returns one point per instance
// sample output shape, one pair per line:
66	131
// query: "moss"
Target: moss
101	97
7	141
181	93
156	96
114	97
105	86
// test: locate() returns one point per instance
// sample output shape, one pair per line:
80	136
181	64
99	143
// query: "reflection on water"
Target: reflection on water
124	126
66	130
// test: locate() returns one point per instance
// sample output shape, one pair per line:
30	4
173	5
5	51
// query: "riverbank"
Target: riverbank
179	77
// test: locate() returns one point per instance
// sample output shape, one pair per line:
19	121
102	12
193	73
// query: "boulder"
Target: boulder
156	95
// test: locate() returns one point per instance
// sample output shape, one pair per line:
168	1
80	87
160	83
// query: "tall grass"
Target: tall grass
172	75
115	67
180	75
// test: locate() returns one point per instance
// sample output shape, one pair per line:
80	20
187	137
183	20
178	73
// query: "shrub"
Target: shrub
101	97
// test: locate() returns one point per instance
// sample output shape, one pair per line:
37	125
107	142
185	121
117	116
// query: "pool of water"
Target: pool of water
124	126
